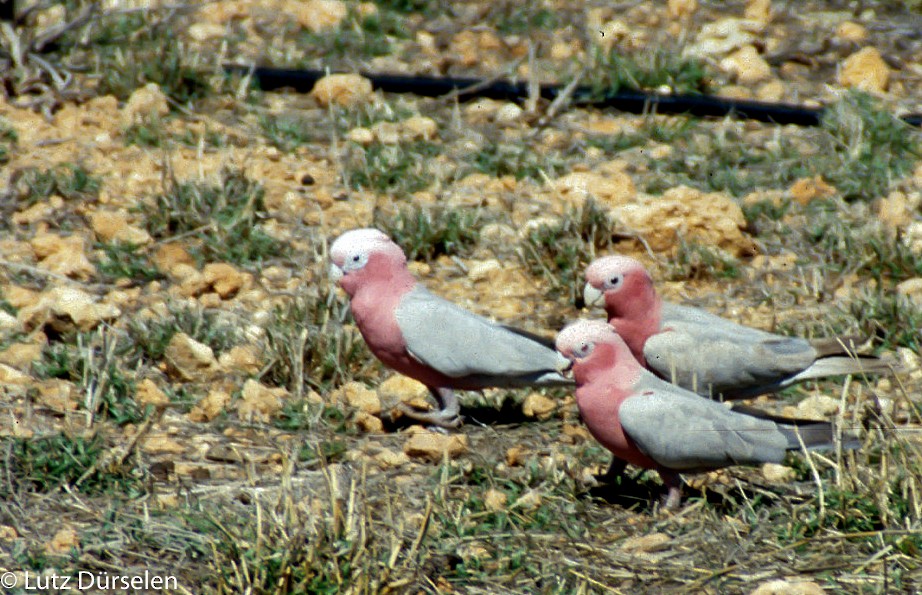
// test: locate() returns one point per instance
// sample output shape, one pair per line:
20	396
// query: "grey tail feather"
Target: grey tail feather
817	435
547	342
840	365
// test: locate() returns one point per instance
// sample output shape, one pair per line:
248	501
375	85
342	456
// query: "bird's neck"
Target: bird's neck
612	365
637	318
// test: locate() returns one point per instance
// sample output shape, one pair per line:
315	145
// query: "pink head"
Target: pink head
623	283
596	350
363	257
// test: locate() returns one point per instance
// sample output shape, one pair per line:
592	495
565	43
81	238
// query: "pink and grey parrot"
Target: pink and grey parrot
651	423
706	353
429	338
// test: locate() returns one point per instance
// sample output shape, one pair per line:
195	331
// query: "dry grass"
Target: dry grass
300	499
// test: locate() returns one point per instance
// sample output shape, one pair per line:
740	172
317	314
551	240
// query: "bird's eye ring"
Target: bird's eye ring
356	258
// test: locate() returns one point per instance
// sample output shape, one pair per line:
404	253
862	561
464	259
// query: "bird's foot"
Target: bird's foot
442	418
673	498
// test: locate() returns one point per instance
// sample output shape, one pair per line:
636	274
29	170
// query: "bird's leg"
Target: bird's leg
673	481
448	414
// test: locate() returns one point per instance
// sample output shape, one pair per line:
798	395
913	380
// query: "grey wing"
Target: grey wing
684	432
462	344
712	356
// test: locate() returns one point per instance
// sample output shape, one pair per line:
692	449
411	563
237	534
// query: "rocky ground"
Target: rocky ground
182	391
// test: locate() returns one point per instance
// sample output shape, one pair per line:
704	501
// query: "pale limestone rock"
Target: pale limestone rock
145	104
911	290
419	128
818	407
21	355
576	434
539	406
170	255
202	32
509	114
388	459
225	280
258	403
712	219
723	36
190	360
495	500
63	255
210	406
162	444
66	308
342	89
317	15
148	393
772	91
784	587
360	135
357	396
612	189
63	542
747	66
896	210
806	189
433	446
865	70
241	359
653	542
402	389
483	270
775	473
113	226
851	31
515	456
8	322
530	500
387	133
8	533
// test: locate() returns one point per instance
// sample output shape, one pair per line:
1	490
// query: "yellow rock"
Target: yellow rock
806	189
388	459
63	542
784	587
146	103
681	9
63	255
612	189
66	308
168	256
402	389
713	219
747	66
495	500
148	393
225	279
112	226
210	406
241	359
778	473
419	128
530	500
896	210
368	423
58	395
189	359
653	542
357	396
865	70
515	456
21	355
11	376
342	89
433	446
851	31
162	444
8	533
258	403
317	15
202	32
537	405
818	407
758	10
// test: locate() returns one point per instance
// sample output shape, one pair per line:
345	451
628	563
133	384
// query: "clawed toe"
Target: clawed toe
440	418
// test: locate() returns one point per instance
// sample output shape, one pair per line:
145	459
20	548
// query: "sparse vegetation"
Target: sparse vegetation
394	169
427	233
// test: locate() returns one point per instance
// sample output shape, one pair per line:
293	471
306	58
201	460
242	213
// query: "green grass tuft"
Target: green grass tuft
427	233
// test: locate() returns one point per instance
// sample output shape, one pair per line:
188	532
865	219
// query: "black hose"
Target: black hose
627	101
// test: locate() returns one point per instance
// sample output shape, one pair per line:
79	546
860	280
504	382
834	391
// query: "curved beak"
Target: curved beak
592	296
336	273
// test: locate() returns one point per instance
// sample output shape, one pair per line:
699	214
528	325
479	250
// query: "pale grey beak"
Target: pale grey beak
592	296
336	273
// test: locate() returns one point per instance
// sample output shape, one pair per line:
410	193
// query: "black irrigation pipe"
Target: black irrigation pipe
636	102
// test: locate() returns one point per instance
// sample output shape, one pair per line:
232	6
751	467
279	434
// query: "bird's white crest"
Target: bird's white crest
606	266
357	241
583	331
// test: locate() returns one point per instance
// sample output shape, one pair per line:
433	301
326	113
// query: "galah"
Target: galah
651	423
429	338
704	352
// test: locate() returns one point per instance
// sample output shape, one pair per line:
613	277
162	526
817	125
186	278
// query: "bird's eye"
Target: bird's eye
356	258
615	281
583	349
356	261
